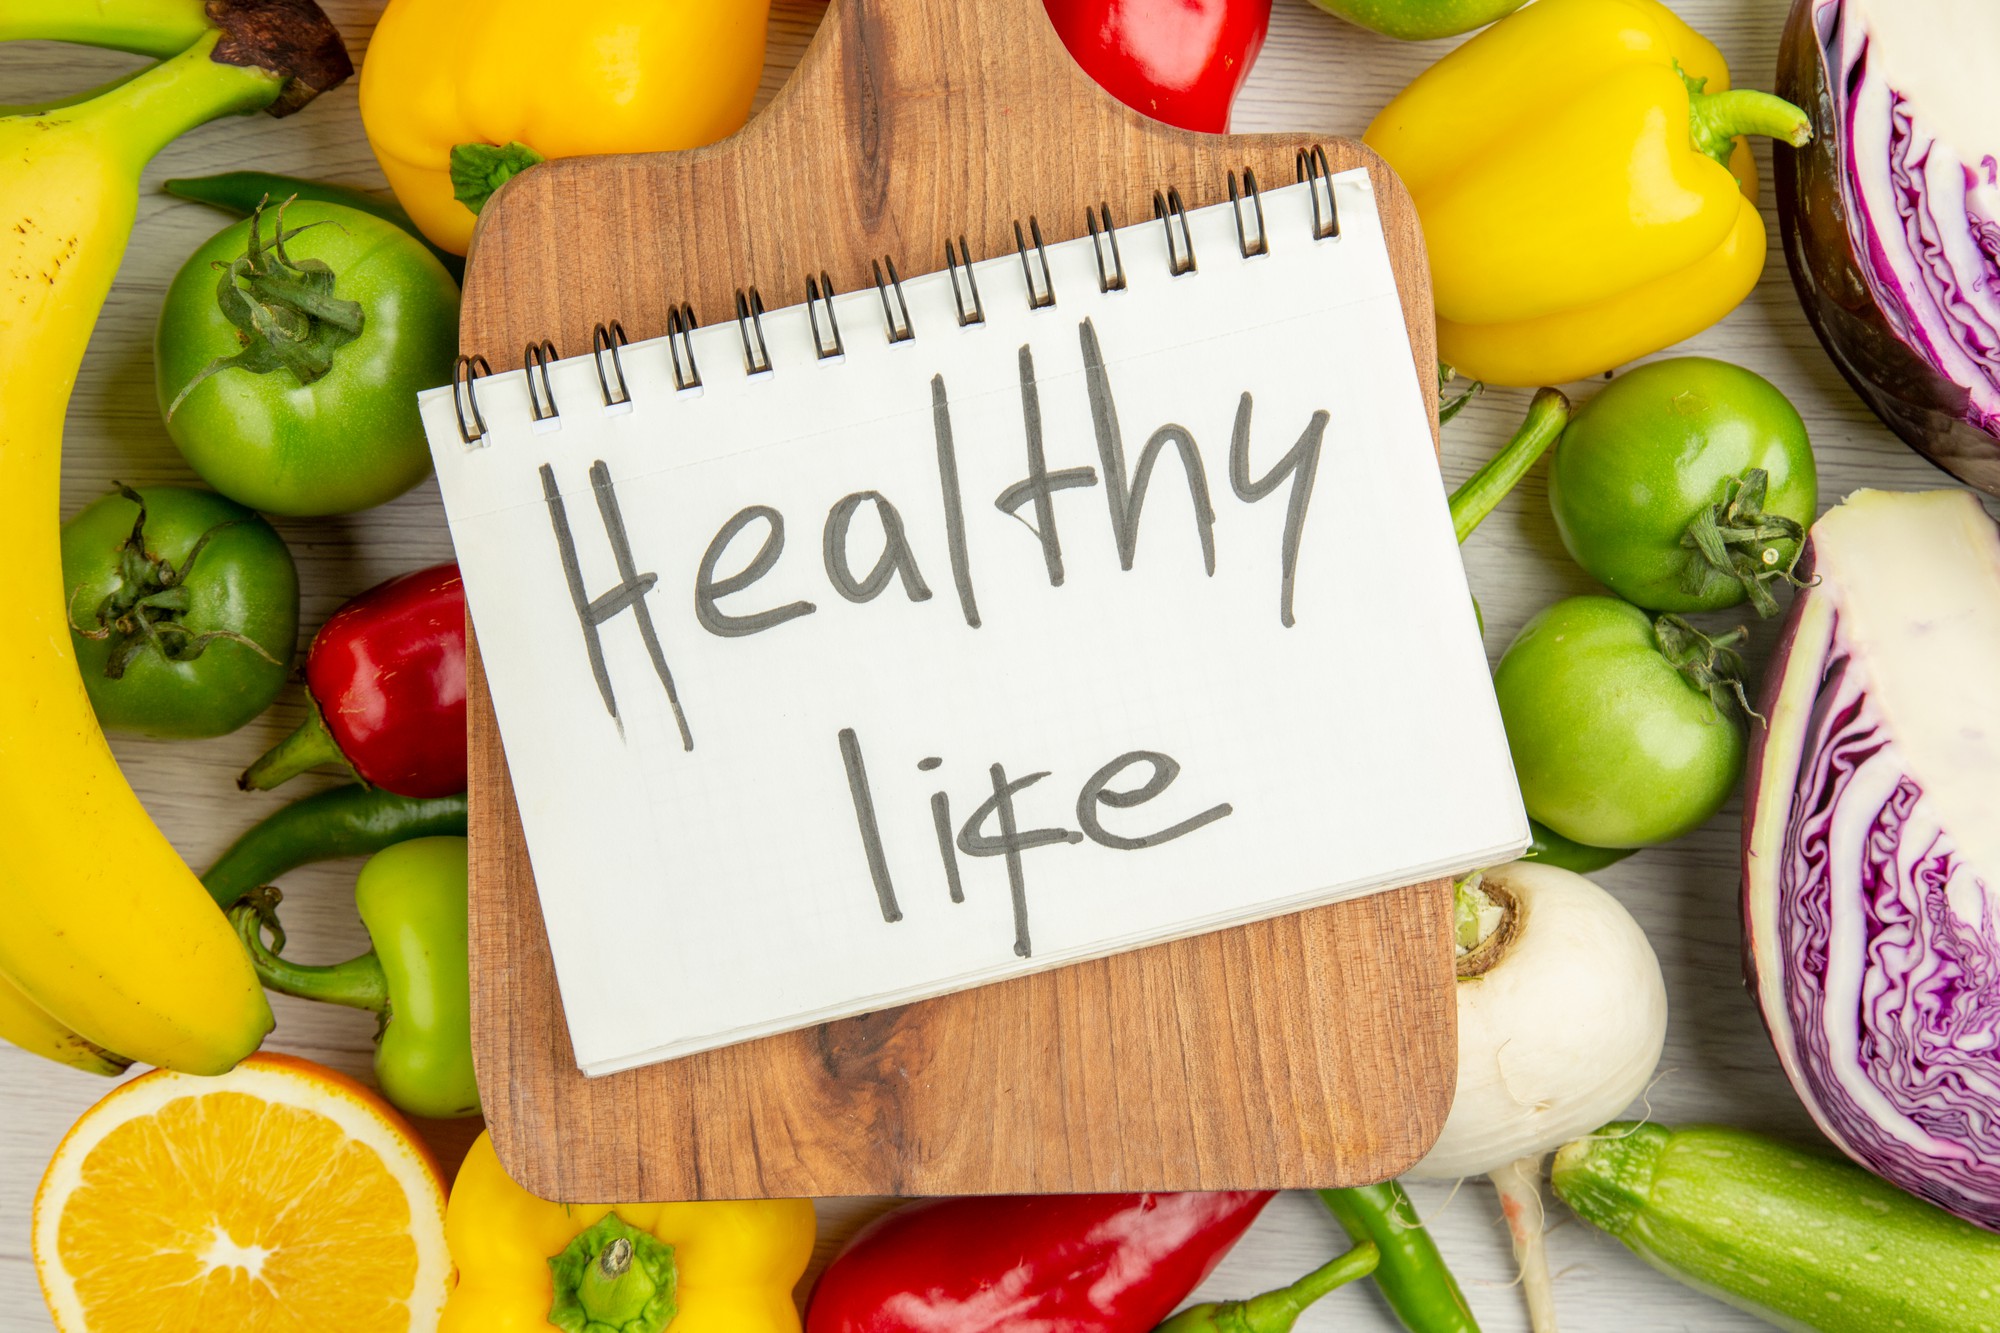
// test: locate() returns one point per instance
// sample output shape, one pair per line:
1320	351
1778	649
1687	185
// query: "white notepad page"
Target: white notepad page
941	715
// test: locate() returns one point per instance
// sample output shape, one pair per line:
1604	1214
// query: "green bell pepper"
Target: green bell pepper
417	978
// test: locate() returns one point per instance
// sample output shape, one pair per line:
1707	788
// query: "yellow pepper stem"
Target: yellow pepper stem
613	1278
1715	120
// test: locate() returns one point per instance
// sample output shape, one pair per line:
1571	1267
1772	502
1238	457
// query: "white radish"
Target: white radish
1561	1017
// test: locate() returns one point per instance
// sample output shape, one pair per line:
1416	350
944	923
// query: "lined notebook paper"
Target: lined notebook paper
914	663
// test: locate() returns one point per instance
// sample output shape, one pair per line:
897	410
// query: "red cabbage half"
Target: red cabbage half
1871	844
1891	216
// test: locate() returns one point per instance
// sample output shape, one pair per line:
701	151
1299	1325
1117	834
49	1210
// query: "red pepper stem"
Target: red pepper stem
358	983
307	748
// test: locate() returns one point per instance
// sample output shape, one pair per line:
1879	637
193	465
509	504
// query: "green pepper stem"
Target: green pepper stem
157	28
307	748
613	1278
1715	120
1484	489
358	983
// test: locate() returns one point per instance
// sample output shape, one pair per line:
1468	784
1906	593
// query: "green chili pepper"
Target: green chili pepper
240	192
1276	1311
1420	1290
1553	849
412	899
353	820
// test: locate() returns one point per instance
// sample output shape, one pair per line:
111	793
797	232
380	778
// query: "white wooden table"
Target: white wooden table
1316	73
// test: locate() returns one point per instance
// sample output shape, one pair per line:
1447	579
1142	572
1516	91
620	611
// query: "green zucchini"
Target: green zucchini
1805	1240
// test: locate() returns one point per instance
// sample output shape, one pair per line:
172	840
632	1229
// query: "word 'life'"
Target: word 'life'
994	826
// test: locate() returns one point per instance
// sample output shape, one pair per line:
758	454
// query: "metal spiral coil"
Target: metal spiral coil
820	290
465	397
1243	243
1169	209
609	340
1313	170
610	337
1110	278
540	356
749	319
1044	296
680	324
953	261
897	320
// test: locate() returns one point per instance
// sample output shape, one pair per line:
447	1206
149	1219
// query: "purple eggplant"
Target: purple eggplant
1891	215
1871	844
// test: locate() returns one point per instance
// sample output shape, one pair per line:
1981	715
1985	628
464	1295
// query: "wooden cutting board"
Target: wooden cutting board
1316	1049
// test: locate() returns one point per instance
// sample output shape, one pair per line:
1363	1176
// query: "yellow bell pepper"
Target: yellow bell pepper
1584	194
525	1266
458	97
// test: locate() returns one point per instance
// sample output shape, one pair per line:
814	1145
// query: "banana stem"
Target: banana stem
139	118
158	28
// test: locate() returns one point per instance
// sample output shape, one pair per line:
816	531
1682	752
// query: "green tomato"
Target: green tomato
1613	744
184	609
306	405
1420	20
1673	447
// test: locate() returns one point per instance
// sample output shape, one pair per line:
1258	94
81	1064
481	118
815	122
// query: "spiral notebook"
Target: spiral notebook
973	622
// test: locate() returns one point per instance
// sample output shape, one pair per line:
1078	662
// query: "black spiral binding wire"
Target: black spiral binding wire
465	397
609	341
539	356
953	261
818	290
1243	243
1169	209
1110	277
680	345
1039	298
897	320
749	319
1313	170
610	337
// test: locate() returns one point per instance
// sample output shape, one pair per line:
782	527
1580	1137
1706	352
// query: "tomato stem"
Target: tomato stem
1484	489
1734	540
1710	663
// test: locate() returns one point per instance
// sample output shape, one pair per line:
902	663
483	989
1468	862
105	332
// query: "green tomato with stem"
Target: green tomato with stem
1686	485
1626	731
183	608
290	353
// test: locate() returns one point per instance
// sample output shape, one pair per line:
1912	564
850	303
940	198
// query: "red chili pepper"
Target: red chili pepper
385	686
1180	61
1055	1263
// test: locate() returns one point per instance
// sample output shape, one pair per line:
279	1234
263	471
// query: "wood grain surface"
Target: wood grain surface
1316	75
1202	1064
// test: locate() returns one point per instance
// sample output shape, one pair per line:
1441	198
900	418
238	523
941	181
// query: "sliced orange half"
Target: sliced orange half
281	1198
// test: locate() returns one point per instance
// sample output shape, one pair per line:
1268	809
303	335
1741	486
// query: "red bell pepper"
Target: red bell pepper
1057	1263
385	687
1181	61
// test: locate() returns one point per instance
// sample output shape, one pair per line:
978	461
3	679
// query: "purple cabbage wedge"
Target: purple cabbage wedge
1871	844
1891	216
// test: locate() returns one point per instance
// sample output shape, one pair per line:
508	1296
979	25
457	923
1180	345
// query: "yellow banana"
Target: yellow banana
28	1025
107	932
